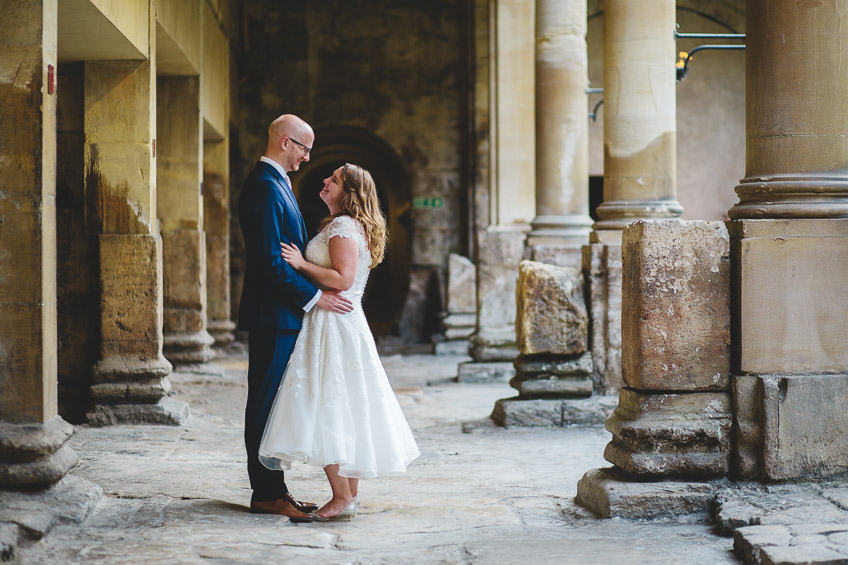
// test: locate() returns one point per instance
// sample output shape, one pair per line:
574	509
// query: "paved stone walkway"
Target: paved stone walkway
478	494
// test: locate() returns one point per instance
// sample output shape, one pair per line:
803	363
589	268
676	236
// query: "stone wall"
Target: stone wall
392	68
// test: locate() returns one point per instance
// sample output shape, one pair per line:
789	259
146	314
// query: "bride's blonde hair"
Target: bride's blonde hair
360	201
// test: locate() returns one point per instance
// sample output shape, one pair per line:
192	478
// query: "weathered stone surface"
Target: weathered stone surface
488	349
748	426
798	441
519	412
792	299
680	435
602	273
552	386
527	413
551	315
499	253
166	411
485	372
29	441
532	366
773	545
462	284
451	347
676	305
561	255
70	501
611	493
779	437
40	472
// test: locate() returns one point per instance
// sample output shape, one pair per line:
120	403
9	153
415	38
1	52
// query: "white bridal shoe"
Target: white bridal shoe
347	513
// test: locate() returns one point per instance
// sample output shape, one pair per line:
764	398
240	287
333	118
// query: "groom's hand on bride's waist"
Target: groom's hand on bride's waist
332	301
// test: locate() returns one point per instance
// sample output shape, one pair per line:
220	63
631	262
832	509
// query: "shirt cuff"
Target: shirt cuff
312	302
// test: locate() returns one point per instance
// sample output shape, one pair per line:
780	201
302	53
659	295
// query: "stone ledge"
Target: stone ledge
612	493
167	412
39	473
29	516
489	372
518	412
809	544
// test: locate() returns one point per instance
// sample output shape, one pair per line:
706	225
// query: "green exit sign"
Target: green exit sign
427	203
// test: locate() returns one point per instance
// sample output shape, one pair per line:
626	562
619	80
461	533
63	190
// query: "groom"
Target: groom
274	299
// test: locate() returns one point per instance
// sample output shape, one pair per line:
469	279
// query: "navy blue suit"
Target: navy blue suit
271	308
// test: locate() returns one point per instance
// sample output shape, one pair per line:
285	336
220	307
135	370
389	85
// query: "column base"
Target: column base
520	412
28	516
167	412
221	331
554	230
661	435
611	493
451	347
558	376
602	270
34	455
491	372
189	350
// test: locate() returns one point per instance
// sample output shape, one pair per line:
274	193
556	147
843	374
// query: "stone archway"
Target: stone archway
388	285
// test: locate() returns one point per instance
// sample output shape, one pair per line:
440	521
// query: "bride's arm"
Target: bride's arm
344	255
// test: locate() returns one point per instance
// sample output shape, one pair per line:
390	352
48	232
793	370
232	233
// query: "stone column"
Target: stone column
180	210
640	173
131	376
216	221
673	419
554	366
500	247
790	246
460	319
32	435
640	155
562	156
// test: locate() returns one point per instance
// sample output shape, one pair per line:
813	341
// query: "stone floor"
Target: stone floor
478	493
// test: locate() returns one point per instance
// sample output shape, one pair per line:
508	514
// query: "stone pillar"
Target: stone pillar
554	363
180	210
562	155
790	246
640	155
640	173
493	343
131	376
673	419
460	320
216	221
32	435
500	247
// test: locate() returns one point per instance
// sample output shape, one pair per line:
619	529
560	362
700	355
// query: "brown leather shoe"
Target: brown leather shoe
280	507
305	507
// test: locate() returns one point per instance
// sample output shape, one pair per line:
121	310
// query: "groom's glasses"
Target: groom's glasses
293	140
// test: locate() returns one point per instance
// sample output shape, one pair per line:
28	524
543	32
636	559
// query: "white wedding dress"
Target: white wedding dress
335	403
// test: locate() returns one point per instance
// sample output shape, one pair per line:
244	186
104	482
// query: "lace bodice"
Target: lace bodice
318	252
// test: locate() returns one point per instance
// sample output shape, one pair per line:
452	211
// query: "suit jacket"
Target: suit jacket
274	294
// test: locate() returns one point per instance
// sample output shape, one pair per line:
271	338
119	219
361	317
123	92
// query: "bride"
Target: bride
335	407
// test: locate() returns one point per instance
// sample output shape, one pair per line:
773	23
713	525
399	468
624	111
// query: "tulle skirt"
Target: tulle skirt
335	404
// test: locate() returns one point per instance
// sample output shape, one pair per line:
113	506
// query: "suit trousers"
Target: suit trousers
268	355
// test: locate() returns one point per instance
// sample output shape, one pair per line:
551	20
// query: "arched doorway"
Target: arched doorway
388	284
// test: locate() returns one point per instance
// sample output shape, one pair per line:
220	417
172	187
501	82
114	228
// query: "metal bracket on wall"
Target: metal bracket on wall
685	57
594	113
